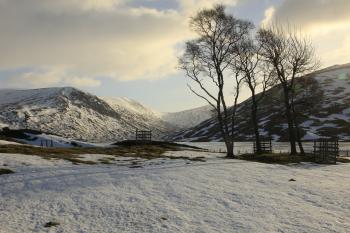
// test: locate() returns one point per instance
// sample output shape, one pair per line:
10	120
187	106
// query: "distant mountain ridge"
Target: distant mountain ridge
188	118
325	111
72	113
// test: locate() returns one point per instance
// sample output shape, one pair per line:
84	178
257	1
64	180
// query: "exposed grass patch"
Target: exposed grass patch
136	166
129	149
343	160
51	224
4	171
106	161
284	158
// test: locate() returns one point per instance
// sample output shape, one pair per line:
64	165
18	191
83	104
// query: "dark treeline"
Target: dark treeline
229	50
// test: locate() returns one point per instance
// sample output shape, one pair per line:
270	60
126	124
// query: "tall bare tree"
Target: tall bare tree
207	62
256	77
291	56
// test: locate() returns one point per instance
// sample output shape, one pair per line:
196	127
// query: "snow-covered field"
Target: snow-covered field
173	196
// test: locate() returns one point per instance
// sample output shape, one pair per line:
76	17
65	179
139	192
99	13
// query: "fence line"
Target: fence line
245	149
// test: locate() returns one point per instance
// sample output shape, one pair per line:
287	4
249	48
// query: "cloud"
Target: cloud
50	78
125	41
92	38
269	14
326	22
311	12
190	6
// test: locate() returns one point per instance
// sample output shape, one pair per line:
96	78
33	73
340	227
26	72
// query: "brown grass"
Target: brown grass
284	158
51	224
277	158
4	171
74	154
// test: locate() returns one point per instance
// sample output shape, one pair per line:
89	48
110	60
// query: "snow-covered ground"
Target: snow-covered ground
5	142
48	140
173	196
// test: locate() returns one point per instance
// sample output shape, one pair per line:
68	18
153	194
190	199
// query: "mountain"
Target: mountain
188	118
323	107
71	113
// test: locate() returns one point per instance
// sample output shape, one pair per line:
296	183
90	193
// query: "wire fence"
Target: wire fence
277	147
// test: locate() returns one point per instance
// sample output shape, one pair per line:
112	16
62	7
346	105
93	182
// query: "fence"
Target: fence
277	147
266	147
326	150
46	143
143	135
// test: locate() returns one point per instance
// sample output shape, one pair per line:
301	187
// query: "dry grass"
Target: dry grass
283	158
74	155
51	224
4	171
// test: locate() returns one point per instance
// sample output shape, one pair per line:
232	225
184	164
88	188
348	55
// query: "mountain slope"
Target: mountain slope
323	110
71	113
188	118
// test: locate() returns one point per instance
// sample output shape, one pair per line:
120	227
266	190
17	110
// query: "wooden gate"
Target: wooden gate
266	146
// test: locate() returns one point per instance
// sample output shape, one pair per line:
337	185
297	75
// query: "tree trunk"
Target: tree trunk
290	120
300	144
297	129
229	149
256	123
226	136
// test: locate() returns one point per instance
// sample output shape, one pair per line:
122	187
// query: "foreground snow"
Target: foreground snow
174	196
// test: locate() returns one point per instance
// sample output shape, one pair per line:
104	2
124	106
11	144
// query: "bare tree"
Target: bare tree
256	77
291	56
207	62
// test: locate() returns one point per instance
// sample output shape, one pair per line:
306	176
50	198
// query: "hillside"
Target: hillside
323	110
72	113
188	118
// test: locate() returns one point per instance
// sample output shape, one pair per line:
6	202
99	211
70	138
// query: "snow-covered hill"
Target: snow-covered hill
188	118
72	113
324	110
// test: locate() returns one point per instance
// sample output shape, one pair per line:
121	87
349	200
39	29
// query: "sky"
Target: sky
130	48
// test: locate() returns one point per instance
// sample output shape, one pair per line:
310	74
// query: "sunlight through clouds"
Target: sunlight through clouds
123	43
53	77
130	40
326	22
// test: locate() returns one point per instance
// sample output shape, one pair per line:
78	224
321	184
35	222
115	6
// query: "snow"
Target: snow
188	118
75	114
215	196
125	104
310	136
4	142
346	111
58	142
329	92
336	79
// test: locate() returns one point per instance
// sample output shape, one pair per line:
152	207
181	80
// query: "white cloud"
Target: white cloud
326	22
81	81
190	6
269	14
90	38
50	78
83	36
